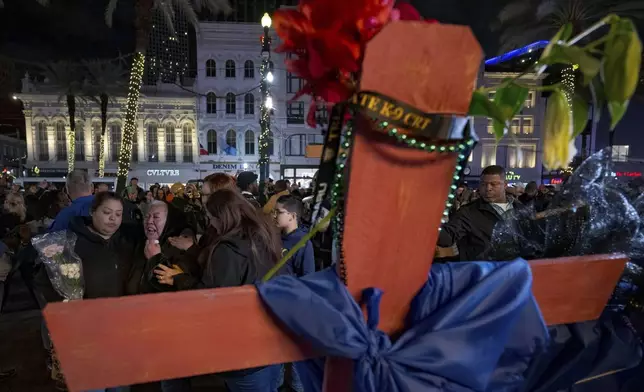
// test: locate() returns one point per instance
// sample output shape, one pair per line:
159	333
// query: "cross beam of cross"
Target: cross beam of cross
389	239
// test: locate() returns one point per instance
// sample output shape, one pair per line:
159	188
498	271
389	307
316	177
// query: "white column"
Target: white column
161	141
141	139
195	145
51	139
30	131
178	141
90	154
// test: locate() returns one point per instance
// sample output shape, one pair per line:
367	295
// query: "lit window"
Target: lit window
249	70
488	157
153	142
230	103
170	144
230	69
211	69
212	142
187	143
249	143
527	125
231	143
96	135
522	156
211	103
620	153
249	104
529	102
41	141
79	145
516	125
490	127
115	136
61	141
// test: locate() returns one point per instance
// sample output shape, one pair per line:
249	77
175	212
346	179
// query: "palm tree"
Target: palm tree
68	81
522	22
105	81
143	24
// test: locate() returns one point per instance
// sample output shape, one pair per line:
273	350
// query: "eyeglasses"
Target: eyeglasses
277	212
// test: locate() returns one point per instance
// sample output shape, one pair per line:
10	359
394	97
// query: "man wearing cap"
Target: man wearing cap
247	183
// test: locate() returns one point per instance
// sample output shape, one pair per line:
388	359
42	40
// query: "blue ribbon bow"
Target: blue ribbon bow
472	327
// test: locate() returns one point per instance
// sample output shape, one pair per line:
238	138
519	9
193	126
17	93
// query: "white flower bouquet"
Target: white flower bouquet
64	267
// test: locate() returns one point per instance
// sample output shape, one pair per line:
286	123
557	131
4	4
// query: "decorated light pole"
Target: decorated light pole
266	105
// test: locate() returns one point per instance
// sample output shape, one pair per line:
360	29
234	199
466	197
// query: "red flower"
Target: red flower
329	37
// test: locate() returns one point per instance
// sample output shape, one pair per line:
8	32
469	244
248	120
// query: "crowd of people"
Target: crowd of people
166	238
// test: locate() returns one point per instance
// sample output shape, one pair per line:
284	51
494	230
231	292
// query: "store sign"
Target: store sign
235	166
163	173
511	176
556	181
627	174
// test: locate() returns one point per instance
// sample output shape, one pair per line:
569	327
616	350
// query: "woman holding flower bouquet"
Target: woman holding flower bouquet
107	250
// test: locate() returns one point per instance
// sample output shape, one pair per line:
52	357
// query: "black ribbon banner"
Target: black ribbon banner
401	115
326	171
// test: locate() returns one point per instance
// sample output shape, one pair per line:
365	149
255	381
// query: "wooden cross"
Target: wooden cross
389	239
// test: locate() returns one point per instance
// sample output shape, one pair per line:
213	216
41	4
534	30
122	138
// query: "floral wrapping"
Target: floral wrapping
63	266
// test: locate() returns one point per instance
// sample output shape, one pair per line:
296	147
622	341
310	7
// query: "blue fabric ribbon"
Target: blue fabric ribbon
472	327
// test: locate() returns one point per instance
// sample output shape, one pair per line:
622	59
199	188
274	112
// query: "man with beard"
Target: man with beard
471	226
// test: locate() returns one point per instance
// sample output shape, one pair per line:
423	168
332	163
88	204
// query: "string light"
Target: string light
71	153
129	129
568	83
265	112
101	157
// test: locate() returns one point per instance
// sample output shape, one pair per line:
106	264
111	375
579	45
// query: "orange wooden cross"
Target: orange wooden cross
395	202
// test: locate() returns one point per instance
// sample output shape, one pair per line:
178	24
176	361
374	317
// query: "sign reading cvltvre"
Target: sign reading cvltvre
163	172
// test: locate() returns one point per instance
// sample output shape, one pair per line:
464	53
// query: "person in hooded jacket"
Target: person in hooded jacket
162	222
245	246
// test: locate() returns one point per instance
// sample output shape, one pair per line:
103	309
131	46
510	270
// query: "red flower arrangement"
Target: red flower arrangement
329	37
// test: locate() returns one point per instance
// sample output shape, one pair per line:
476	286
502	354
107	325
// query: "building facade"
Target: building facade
12	155
228	78
519	152
165	147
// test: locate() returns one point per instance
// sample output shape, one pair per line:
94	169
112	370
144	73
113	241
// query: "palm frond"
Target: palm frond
109	12
167	12
189	11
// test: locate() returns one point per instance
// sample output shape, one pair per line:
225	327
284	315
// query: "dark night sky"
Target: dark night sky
73	29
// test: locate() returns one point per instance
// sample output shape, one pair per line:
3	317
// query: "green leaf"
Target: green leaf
482	106
588	65
564	34
500	128
580	112
510	99
617	111
622	61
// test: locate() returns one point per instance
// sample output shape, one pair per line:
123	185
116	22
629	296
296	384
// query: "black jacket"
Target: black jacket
471	229
228	264
108	265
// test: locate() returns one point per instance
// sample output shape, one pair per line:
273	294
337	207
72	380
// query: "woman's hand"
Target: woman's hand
152	248
166	275
182	242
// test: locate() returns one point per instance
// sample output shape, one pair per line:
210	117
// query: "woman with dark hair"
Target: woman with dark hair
243	249
160	194
107	250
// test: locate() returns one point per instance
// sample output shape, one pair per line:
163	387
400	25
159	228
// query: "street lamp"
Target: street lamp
266	107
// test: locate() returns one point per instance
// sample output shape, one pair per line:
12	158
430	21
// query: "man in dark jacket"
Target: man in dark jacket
247	184
471	227
287	214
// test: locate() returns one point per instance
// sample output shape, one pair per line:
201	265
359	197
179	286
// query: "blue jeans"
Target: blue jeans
265	380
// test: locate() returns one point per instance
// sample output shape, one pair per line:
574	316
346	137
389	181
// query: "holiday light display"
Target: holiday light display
101	157
132	103
266	104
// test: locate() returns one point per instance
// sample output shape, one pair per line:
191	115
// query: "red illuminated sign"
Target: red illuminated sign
627	174
556	181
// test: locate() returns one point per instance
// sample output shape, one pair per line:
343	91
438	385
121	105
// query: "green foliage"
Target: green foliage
610	67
